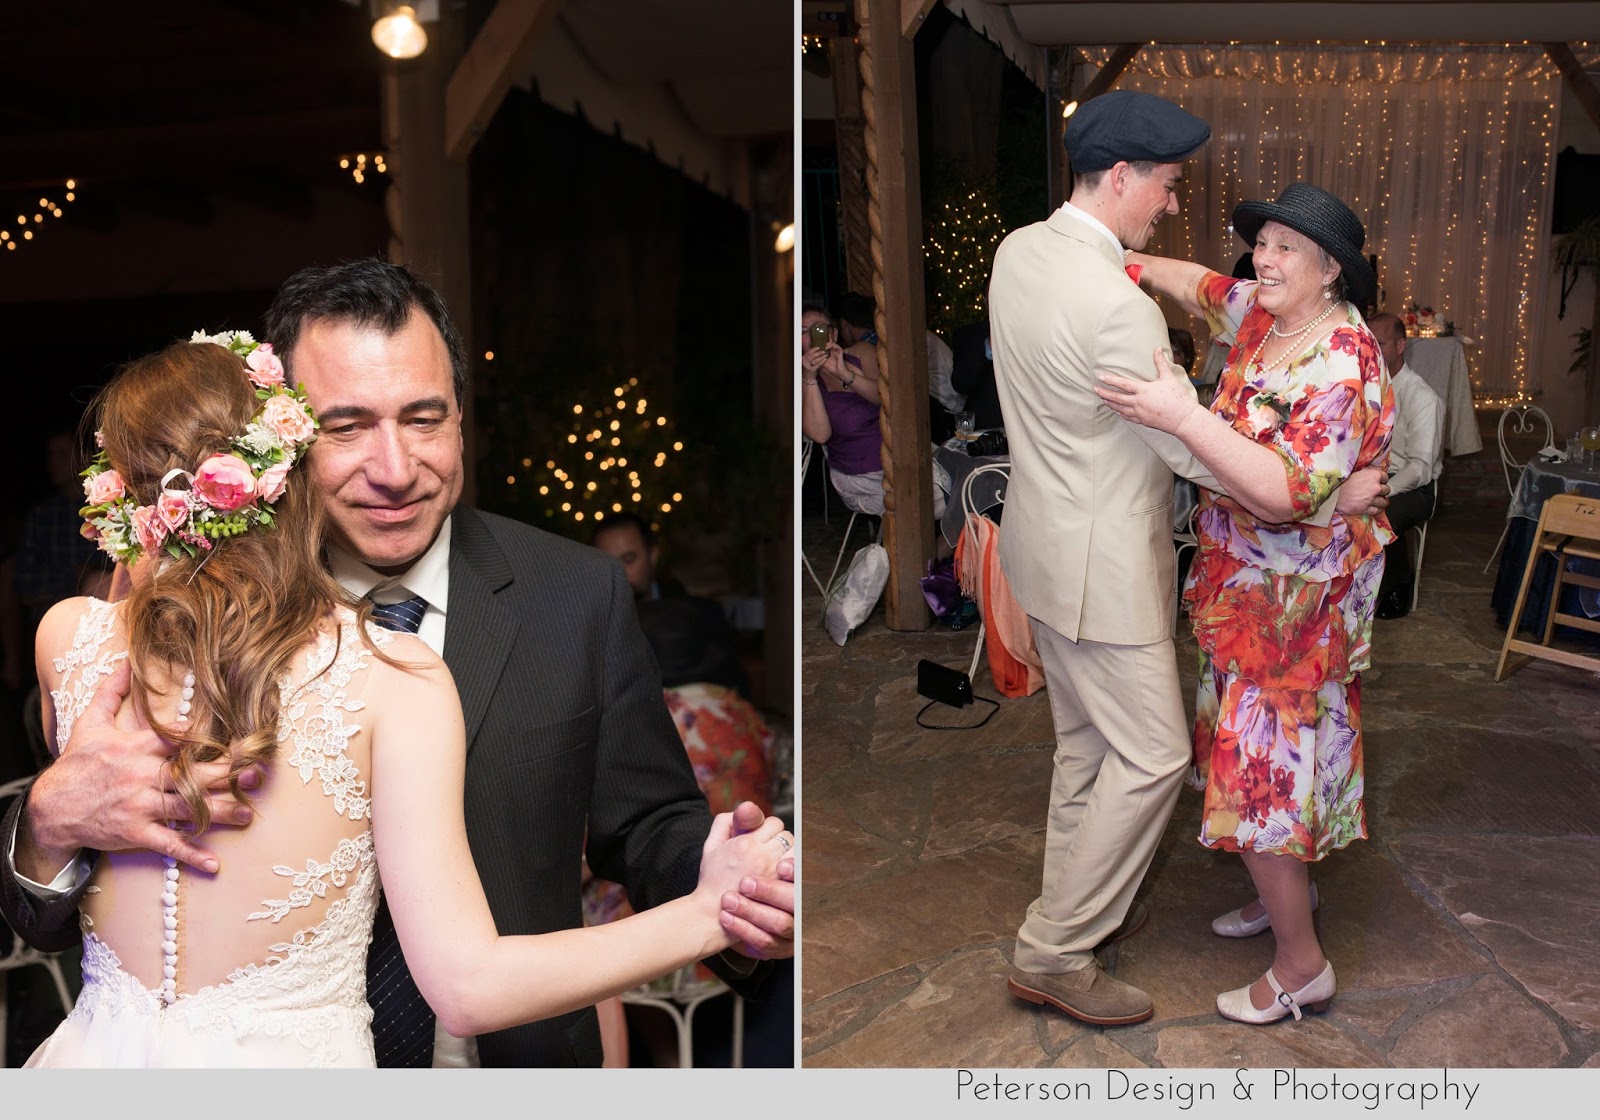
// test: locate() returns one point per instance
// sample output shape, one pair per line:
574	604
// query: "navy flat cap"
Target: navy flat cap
1127	125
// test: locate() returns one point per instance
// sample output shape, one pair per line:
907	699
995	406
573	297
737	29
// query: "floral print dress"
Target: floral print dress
1283	613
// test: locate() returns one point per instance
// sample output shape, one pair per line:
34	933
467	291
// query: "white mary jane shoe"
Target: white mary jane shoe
1234	924
1315	996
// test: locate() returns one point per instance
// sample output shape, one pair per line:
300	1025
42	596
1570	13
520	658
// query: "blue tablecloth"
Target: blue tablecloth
1539	483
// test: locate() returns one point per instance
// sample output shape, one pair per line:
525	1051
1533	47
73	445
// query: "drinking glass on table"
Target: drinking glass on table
1590	438
966	424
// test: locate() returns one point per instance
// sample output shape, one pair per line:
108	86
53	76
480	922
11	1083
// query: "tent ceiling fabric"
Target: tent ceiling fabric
994	21
1053	23
693	84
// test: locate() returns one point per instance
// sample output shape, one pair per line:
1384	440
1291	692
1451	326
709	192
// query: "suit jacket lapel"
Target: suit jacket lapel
478	638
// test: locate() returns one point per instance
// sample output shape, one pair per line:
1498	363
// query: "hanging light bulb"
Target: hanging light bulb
785	241
399	35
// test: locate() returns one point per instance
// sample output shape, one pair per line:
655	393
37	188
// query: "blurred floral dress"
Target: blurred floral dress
1283	613
727	741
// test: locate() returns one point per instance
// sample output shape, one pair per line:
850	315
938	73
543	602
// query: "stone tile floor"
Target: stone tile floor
1466	932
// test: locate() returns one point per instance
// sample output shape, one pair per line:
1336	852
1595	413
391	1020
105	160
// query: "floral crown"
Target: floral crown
229	493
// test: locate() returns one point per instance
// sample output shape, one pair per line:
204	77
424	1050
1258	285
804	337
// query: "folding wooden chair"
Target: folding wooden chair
1569	526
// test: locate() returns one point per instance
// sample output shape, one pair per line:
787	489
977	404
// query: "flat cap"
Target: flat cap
1128	125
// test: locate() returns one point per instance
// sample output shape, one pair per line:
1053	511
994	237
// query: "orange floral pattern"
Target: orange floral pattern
1283	613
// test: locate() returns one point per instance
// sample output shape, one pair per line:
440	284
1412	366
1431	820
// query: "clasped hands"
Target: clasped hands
1168	402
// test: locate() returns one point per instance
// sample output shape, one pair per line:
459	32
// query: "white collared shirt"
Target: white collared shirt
428	576
1416	454
1085	216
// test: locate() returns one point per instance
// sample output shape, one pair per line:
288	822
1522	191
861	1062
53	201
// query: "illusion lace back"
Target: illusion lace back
268	957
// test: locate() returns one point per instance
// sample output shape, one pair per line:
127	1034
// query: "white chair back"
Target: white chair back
1002	469
1522	418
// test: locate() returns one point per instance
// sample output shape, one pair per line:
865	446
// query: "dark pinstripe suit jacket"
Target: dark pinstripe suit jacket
566	730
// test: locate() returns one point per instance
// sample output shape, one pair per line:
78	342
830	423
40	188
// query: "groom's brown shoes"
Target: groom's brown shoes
1088	994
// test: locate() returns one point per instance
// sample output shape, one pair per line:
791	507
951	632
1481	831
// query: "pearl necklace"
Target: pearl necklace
1273	332
169	888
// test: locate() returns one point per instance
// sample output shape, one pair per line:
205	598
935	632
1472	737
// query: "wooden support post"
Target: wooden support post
889	103
427	200
1058	91
850	139
1111	71
912	13
774	346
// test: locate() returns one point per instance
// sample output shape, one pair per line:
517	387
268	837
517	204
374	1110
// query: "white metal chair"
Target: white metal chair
806	449
680	994
967	510
1522	417
21	955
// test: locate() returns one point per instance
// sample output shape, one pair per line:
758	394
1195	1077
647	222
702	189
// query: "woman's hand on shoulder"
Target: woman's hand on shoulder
1163	404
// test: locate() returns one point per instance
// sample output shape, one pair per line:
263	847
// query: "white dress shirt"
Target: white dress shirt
1416	453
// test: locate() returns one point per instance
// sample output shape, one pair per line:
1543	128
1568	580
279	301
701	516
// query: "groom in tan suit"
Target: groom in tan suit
1087	540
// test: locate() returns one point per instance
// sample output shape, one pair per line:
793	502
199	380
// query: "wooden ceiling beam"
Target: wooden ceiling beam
912	13
485	73
1110	72
1581	85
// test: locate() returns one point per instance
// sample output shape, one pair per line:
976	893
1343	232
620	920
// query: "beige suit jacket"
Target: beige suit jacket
1087	538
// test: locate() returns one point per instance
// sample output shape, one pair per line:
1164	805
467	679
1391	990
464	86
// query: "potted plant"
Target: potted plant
1577	252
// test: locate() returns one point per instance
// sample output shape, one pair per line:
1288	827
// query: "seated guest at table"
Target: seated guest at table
1182	343
974	374
944	402
857	321
1416	457
1282	608
630	539
839	409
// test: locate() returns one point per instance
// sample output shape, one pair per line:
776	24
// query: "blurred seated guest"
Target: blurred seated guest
54	560
856	319
943	400
1245	267
727	742
1416	457
974	374
839	405
1182	344
630	539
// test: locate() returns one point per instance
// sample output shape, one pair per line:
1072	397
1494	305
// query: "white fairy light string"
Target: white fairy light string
1367	123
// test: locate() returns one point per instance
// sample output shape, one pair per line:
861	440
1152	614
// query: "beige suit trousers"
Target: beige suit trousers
1122	748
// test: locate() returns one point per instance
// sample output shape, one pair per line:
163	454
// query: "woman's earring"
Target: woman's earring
1327	293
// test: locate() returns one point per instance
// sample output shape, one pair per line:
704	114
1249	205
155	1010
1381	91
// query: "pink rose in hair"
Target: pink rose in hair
173	509
265	370
104	487
147	528
287	417
273	481
89	532
225	482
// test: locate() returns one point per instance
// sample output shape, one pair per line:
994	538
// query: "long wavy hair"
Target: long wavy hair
234	616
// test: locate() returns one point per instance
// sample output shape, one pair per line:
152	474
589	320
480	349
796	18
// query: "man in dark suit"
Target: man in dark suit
567	734
973	374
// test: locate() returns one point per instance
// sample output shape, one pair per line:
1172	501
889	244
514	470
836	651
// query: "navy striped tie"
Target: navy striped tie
402	1021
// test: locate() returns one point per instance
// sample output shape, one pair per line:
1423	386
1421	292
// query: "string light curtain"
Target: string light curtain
1445	154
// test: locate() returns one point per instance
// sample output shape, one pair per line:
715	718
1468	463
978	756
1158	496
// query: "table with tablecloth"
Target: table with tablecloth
1540	482
1442	363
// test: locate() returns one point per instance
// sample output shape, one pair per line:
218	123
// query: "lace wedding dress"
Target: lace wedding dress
246	990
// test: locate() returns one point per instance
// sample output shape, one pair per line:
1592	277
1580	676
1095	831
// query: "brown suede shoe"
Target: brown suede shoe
1088	994
1138	914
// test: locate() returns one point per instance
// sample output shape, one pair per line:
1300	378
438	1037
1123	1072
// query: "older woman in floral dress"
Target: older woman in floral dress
1282	607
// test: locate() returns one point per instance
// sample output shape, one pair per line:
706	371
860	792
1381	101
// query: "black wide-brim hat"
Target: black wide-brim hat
1326	220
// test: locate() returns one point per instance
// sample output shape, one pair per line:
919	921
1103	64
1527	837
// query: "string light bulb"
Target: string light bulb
399	35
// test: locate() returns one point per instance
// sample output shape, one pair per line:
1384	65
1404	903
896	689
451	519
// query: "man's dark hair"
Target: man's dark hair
366	293
1089	180
617	520
857	310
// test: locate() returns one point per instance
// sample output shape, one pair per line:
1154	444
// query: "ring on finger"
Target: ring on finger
784	840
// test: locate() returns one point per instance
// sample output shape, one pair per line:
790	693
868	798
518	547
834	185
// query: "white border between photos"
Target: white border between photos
795	215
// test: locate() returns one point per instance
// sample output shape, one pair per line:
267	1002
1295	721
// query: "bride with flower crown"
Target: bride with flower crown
240	647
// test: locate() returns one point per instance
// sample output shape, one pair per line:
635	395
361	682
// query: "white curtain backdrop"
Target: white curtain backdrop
1445	154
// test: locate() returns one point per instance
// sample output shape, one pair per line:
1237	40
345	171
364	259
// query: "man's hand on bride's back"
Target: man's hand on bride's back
111	790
